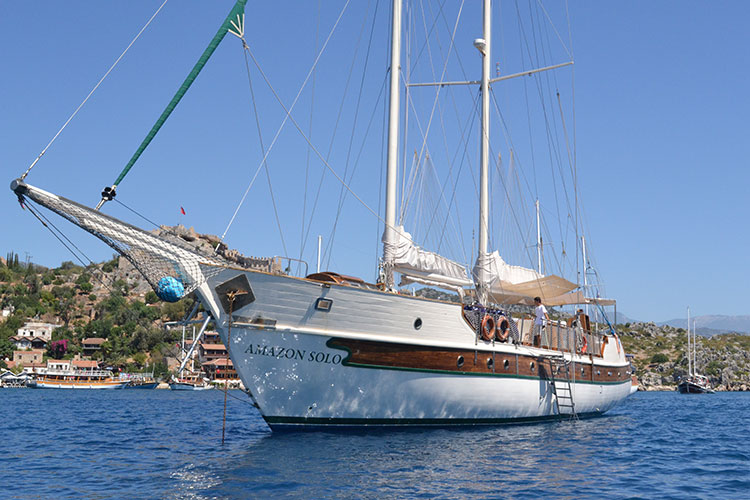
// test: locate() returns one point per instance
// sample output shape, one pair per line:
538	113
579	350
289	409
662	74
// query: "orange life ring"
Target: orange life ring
585	345
488	327
502	330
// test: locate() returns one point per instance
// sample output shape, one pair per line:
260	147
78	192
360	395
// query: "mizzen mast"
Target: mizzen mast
482	277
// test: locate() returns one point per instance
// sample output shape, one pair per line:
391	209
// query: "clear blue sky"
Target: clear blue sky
661	133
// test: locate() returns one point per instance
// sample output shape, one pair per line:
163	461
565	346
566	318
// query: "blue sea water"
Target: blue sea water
163	444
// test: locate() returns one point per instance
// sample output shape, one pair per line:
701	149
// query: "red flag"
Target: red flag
182	210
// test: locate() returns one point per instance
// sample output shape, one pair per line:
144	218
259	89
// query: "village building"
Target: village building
220	369
28	357
214	358
25	343
39	330
32	361
92	345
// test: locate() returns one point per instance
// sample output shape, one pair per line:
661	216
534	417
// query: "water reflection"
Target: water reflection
483	462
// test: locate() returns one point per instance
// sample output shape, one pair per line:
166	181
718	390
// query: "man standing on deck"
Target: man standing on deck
539	321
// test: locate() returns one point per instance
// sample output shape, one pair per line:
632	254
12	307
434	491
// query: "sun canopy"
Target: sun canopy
508	284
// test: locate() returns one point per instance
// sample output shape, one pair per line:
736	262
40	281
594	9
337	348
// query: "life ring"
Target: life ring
502	331
488	327
584	345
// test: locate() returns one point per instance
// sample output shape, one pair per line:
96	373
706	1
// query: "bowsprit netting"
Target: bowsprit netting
171	266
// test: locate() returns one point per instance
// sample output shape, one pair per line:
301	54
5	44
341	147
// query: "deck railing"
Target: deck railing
558	336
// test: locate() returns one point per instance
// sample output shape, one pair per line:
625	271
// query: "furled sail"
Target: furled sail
515	284
421	266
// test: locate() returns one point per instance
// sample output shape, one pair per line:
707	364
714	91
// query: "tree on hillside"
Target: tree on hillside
6	348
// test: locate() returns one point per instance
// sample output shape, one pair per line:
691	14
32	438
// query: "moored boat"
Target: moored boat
326	349
76	379
189	384
139	380
693	383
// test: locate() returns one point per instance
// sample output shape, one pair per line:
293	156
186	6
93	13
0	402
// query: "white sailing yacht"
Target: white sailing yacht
694	383
330	350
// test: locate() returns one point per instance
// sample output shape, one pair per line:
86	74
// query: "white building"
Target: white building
40	330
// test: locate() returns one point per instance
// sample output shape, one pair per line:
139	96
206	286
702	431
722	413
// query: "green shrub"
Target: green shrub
659	358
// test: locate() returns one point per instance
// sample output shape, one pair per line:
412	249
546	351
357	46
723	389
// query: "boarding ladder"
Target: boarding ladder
560	376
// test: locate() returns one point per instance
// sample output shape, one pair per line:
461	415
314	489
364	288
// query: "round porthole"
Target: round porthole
490	363
598	372
533	366
460	361
583	371
506	364
418	323
609	374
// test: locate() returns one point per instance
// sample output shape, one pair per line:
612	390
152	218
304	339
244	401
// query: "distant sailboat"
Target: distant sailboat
694	383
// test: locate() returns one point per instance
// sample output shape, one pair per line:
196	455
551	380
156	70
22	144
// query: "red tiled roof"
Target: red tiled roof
94	341
214	347
218	362
32	351
85	363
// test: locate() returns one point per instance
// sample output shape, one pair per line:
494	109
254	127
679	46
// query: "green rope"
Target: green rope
237	10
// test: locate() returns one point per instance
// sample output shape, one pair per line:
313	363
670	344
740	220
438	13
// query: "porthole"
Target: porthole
583	370
490	363
460	361
598	372
533	366
609	374
506	364
418	323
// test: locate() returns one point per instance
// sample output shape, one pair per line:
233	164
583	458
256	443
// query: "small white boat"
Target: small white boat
190	384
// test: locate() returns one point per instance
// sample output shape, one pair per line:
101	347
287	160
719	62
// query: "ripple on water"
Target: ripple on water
160	444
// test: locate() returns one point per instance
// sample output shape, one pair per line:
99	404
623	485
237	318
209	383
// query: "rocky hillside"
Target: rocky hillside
661	356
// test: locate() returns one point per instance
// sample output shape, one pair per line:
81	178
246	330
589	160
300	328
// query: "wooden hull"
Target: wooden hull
77	384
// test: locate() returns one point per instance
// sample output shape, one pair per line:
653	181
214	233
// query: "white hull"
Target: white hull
181	386
298	375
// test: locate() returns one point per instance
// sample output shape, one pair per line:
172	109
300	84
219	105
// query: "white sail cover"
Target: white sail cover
515	284
411	260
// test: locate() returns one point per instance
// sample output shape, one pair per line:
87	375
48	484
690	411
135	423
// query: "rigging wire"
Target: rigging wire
426	132
342	193
93	90
304	136
262	148
287	115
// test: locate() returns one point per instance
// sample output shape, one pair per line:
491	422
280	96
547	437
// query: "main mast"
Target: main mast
484	44
392	165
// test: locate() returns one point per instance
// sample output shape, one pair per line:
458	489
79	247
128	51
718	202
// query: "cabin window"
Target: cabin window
506	364
533	366
460	361
323	304
418	323
490	363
